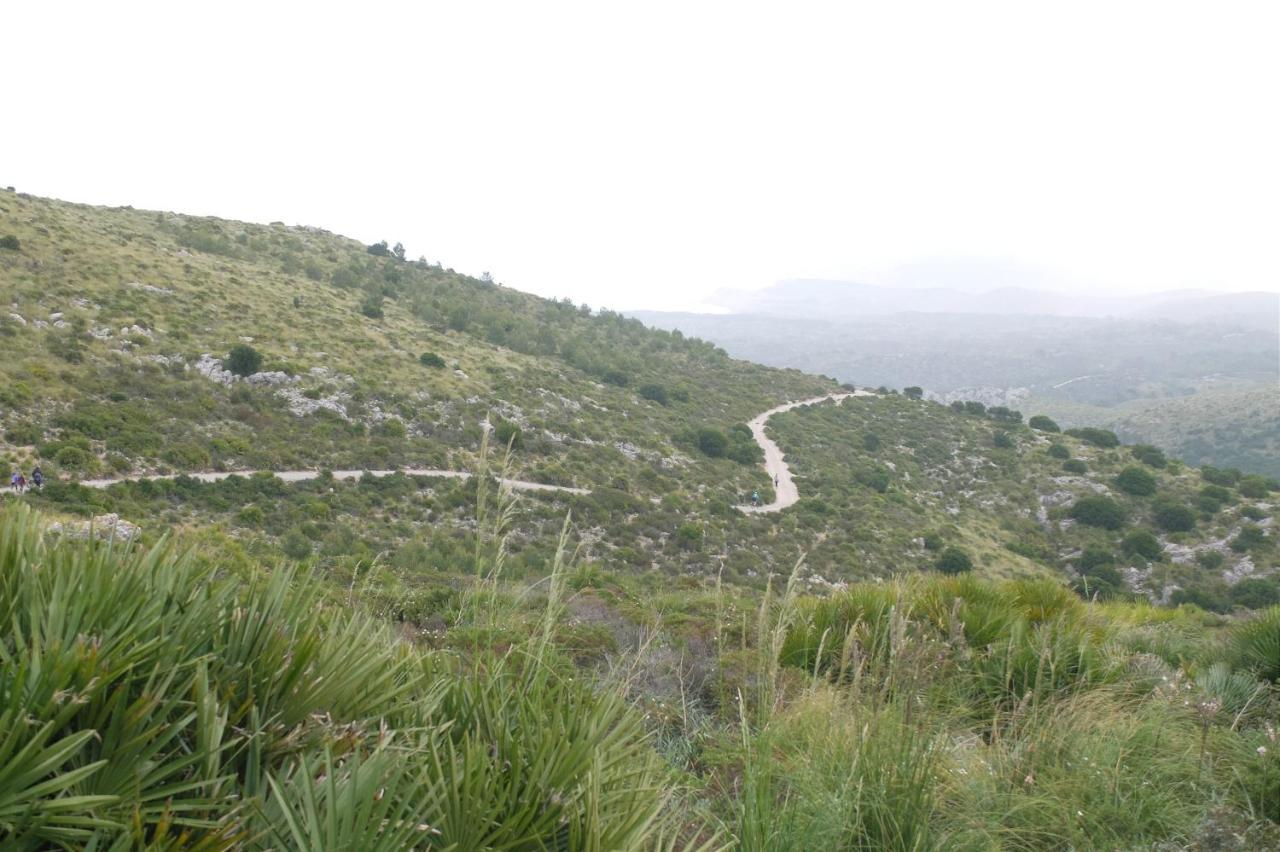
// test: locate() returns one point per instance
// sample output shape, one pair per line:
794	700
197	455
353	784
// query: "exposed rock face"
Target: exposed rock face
104	527
211	368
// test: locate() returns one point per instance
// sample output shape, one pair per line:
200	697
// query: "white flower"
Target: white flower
1262	750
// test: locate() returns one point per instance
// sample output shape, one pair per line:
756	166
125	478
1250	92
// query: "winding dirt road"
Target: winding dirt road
785	492
303	475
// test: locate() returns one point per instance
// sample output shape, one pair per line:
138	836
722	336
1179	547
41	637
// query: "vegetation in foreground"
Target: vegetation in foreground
152	700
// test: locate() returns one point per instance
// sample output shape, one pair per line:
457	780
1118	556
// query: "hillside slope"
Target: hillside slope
117	324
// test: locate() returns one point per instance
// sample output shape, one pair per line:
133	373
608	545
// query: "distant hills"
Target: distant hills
826	299
1079	357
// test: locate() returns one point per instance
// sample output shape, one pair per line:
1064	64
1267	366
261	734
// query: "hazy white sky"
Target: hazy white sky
644	155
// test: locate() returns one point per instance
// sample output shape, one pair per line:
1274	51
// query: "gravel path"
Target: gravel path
785	493
302	475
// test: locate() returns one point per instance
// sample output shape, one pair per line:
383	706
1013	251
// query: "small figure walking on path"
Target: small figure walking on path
755	499
37	477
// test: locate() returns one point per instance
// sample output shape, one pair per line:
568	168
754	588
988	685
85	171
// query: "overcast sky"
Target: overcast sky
645	155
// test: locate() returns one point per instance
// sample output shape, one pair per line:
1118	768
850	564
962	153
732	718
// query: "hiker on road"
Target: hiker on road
37	477
755	499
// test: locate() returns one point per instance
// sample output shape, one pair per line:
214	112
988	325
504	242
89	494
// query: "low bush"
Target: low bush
431	359
1136	481
953	560
244	360
1042	423
1172	516
1104	438
1099	511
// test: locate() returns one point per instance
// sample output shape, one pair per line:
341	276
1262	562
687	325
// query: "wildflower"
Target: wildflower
1262	750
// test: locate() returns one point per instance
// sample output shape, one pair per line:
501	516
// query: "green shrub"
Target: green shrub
953	560
711	442
508	434
74	458
1210	560
1255	644
1104	438
1076	466
1207	600
10	242
1099	511
1142	543
616	377
655	393
1095	555
1149	455
1250	537
1001	440
1136	481
689	536
1254	487
1226	477
431	359
244	360
1042	423
932	541
1058	451
871	442
1256	592
371	307
1172	516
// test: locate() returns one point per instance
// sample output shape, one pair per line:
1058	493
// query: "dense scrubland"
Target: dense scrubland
974	631
161	698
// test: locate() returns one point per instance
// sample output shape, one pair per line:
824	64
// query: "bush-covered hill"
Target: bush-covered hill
892	482
120	330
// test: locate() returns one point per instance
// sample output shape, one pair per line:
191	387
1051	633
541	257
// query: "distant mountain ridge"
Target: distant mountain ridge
829	299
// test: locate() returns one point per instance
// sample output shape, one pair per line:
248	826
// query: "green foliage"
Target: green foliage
1255	644
871	442
1099	511
1001	439
1219	476
1172	516
379	249
1250	537
371	306
913	392
1149	455
149	695
1209	600
10	243
655	393
1136	481
1095	555
1254	487
244	360
712	442
1075	466
1142	543
1059	451
1256	592
953	560
431	359
1043	424
508	434
689	536
1103	438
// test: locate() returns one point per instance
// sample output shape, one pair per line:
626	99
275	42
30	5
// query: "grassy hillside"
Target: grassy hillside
891	482
152	699
1227	427
108	314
